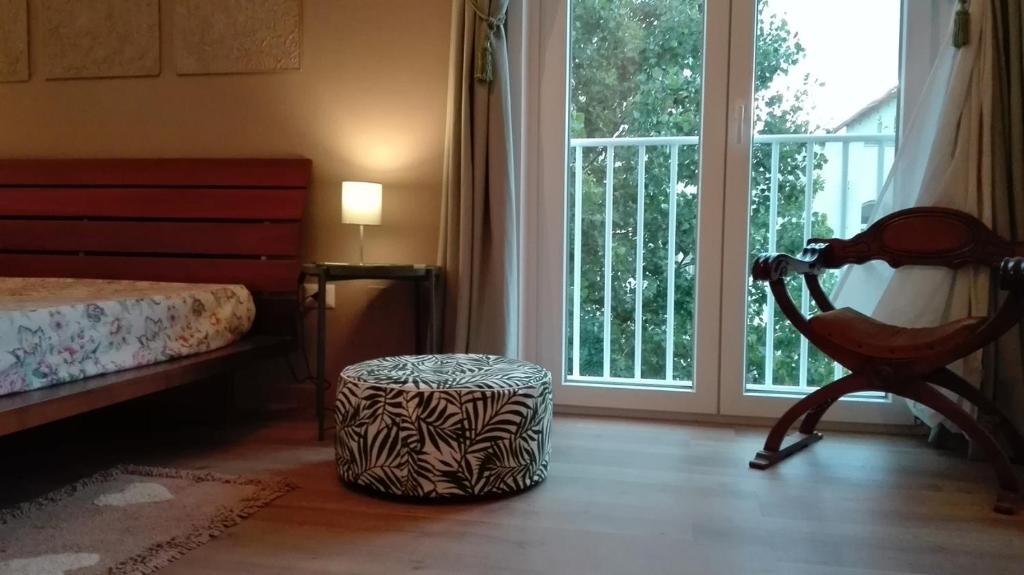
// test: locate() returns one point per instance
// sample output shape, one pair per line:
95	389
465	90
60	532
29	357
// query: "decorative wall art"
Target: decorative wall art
13	40
100	38
237	36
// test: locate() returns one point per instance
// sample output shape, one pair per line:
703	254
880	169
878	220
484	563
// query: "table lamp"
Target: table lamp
361	204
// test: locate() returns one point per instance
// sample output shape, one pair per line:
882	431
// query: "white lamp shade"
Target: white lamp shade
361	203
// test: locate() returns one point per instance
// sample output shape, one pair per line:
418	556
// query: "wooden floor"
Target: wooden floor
623	497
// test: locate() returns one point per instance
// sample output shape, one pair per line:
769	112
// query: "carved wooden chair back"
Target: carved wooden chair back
924	236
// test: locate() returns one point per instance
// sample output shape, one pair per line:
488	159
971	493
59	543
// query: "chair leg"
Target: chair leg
948	380
817	402
927	395
813	417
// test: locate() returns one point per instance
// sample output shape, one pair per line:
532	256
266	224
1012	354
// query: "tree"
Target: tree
637	70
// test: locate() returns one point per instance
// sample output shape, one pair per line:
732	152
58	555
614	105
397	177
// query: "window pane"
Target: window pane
825	117
636	82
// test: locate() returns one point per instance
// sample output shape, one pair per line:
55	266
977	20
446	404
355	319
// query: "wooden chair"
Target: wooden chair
908	362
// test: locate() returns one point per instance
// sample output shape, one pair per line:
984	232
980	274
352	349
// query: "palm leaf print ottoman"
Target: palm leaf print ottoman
443	426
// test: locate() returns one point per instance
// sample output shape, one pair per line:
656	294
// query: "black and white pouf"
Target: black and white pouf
443	426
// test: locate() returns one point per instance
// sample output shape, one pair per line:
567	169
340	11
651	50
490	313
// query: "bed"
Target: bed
122	278
58	330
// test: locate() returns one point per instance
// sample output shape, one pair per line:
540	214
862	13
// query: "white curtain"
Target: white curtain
944	159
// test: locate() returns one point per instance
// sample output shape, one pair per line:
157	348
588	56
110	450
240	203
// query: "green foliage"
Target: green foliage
637	70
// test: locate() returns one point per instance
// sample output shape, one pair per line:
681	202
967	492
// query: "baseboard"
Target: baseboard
301	399
733	420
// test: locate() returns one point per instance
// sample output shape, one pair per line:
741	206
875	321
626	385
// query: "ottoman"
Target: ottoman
443	426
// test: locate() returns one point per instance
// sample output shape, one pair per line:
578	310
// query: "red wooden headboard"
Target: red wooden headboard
190	220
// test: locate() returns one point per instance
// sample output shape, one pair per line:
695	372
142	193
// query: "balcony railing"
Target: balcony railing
843	185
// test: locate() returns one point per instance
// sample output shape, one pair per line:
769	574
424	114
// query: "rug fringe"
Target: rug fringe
164	553
41	502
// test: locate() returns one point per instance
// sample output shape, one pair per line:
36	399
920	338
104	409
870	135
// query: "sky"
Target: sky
853	48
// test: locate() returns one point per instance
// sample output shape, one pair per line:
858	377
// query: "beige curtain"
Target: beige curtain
1004	372
479	238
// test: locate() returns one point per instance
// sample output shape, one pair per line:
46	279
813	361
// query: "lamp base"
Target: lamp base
361	231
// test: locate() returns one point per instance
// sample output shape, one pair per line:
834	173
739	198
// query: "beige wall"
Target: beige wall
368	103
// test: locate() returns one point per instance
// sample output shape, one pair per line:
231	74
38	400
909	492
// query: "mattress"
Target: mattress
57	330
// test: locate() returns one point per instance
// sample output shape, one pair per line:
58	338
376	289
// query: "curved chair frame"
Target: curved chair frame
917	236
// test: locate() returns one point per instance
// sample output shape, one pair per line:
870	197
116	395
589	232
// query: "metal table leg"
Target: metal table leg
420	337
321	352
434	322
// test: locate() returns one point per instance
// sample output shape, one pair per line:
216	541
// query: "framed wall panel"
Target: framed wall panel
14	40
237	36
100	38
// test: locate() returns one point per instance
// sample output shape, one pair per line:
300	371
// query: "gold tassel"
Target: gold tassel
961	26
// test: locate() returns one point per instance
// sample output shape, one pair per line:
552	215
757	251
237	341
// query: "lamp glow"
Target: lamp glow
361	203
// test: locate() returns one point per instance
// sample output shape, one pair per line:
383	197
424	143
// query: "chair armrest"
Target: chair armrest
1011	274
811	261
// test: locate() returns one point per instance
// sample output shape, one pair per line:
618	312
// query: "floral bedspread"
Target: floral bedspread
56	330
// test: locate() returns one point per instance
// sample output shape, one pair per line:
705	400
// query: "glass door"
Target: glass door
816	134
643	174
675	139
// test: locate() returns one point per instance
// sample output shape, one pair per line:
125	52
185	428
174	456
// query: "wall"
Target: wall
368	103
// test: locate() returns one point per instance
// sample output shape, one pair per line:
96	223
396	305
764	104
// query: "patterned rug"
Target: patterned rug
126	520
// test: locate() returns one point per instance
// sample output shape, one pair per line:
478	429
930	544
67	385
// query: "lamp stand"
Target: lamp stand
361	262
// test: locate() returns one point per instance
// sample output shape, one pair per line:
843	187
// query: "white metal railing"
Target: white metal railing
612	149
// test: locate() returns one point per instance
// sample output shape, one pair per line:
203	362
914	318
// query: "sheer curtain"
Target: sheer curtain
949	156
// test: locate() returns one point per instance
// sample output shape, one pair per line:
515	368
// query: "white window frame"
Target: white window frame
735	400
538	41
544	211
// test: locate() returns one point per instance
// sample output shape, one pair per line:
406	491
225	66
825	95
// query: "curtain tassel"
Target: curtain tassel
961	26
485	60
485	55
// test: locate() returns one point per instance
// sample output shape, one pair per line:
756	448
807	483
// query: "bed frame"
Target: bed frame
234	221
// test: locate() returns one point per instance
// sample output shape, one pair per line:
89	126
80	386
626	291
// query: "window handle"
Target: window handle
739	117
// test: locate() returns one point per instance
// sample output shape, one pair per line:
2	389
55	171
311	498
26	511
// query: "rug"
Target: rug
128	519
